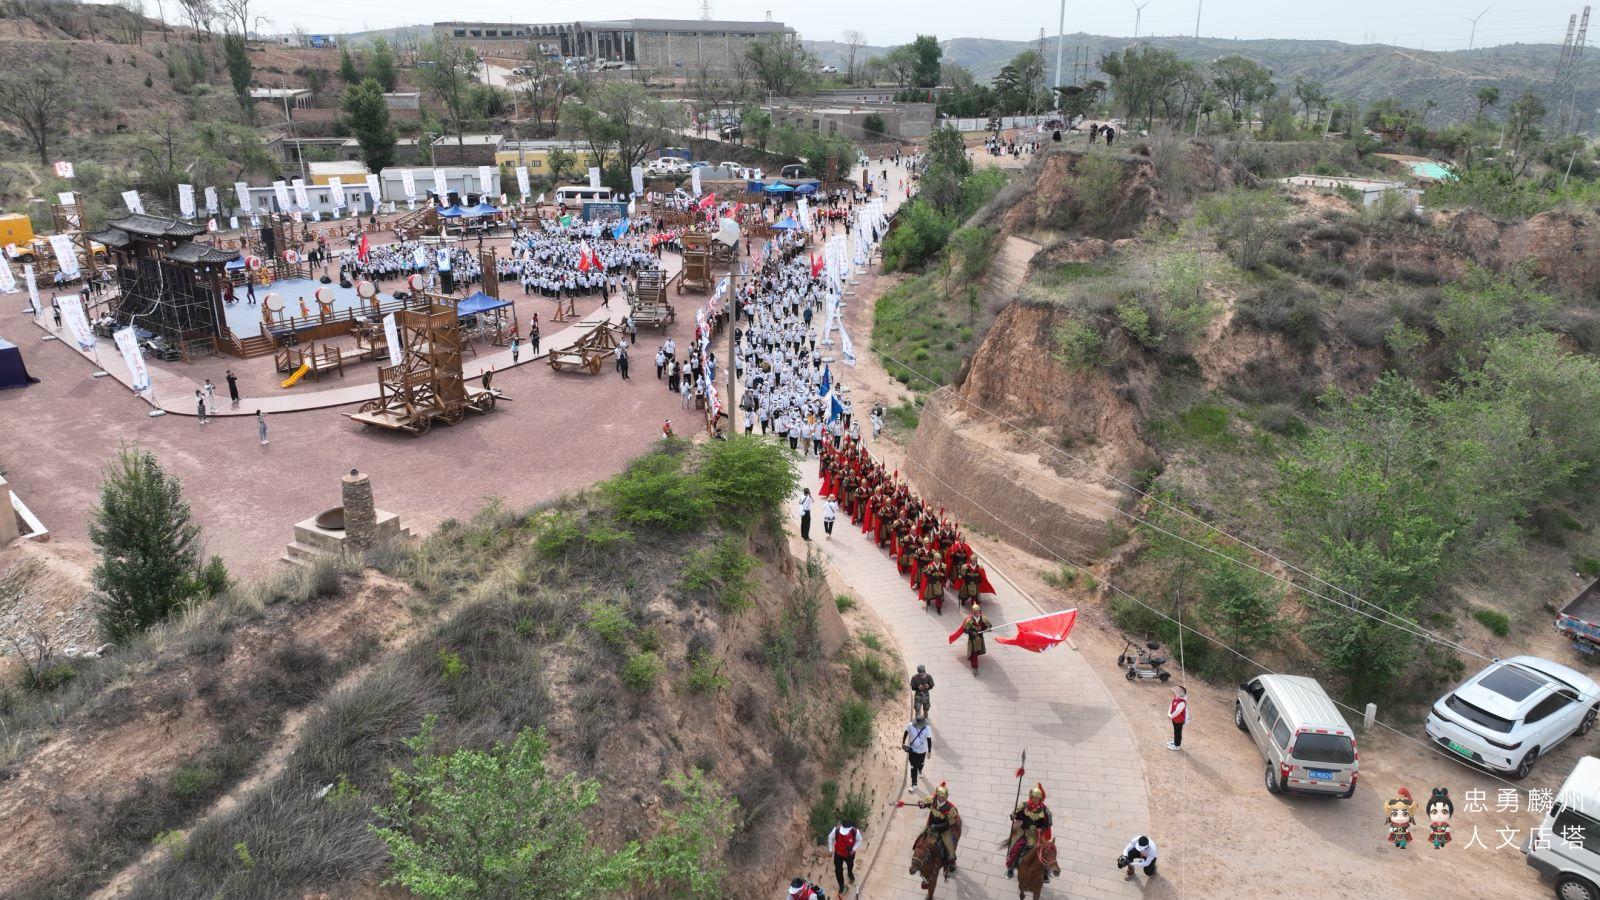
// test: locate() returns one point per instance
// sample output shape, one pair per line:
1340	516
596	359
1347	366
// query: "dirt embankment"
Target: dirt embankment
1058	201
1560	245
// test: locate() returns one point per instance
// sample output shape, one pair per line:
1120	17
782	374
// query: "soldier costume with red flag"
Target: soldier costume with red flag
1037	825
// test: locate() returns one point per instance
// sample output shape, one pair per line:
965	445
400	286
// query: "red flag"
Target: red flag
706	201
584	257
1044	632
960	629
363	250
816	265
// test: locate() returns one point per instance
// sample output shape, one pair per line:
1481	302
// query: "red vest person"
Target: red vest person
844	839
801	889
1178	712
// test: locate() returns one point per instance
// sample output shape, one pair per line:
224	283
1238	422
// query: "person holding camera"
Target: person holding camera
801	889
917	742
921	688
1139	854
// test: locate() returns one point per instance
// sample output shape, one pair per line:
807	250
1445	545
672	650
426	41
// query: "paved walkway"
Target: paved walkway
1050	704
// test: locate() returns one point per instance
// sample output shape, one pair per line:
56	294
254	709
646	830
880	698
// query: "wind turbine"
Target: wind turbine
1138	13
1473	36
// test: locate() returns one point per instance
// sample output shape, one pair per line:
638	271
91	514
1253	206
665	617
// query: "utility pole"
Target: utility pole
1061	36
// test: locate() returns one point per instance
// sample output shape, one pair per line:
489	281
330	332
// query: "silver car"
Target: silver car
1307	745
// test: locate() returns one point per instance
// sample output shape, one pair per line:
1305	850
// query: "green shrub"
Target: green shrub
855	725
821	817
655	492
641	670
747	475
450	665
1078	345
871	641
869	678
1496	621
905	416
723	570
705	674
191	781
610	623
214	577
844	603
1588	566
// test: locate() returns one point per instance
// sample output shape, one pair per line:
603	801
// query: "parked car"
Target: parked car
1308	746
829	70
1506	716
731	132
1580	619
1569	852
795	171
699	164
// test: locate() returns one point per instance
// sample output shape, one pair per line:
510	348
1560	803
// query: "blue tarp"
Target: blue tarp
754	187
482	209
787	223
12	372
234	265
778	189
479	303
452	211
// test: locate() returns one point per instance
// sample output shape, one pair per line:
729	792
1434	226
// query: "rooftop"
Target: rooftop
680	25
278	93
338	167
153	226
472	140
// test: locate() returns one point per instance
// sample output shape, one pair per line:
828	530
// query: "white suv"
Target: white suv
1507	715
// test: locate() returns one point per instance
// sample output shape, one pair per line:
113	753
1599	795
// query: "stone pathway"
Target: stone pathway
1050	704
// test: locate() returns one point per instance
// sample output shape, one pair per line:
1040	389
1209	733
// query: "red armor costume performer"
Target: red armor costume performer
941	815
1036	822
973	626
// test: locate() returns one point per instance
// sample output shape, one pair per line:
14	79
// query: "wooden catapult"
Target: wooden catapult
589	351
426	381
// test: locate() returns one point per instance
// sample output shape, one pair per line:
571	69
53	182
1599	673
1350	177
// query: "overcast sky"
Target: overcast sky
1427	24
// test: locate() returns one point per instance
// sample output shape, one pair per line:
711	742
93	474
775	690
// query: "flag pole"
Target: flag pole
1028	619
1022	769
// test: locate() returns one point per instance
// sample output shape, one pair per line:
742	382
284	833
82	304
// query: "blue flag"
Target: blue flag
822	390
620	230
836	410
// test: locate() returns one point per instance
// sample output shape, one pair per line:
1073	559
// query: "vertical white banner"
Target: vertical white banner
212	208
186	200
594	176
336	192
66	254
301	198
373	192
132	201
694	181
441	186
638	179
242	191
522	183
420	257
8	281
33	286
391	333
76	322
128	343
485	181
281	190
408	183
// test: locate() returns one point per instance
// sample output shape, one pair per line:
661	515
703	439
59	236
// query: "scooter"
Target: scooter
1142	662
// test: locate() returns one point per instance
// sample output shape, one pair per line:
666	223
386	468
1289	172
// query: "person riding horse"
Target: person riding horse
1035	823
941	816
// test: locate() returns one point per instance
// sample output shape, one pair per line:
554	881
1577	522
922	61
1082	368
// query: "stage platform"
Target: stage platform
244	319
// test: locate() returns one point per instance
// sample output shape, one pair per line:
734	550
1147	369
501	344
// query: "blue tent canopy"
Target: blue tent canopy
12	372
234	265
483	209
778	189
453	211
787	223
807	188
754	187
479	303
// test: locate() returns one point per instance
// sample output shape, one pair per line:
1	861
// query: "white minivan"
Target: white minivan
1566	846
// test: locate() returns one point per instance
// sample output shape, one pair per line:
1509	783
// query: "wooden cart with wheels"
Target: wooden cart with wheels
426	381
589	352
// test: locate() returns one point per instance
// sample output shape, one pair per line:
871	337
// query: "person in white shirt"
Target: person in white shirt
918	743
805	515
830	511
1140	853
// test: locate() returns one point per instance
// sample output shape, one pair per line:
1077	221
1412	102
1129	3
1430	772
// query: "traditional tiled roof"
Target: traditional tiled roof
190	252
111	237
155	226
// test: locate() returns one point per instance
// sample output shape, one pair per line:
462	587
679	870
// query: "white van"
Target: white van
574	196
1307	745
1566	846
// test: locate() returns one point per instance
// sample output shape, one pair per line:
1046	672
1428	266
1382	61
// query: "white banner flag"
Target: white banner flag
233	223
128	343
373	193
76	322
8	281
186	200
65	198
281	189
847	350
441	186
301	199
420	256
391	333
594	176
522	183
336	192
33	284
444	260
694	181
486	179
408	183
638	179
132	201
66	254
242	191
212	207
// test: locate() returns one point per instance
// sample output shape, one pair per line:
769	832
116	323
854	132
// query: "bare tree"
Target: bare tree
200	13
133	28
853	42
38	100
235	12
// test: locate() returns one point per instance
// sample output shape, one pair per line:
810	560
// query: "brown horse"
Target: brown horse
927	856
1033	863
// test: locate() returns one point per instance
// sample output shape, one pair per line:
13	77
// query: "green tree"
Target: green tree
149	550
560	160
874	126
947	166
366	115
239	71
448	70
496	823
781	64
1241	83
1522	129
685	860
348	73
926	54
1486	98
1019	87
1144	80
1080	100
381	65
756	124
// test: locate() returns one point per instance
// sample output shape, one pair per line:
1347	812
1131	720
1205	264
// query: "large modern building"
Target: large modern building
648	43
